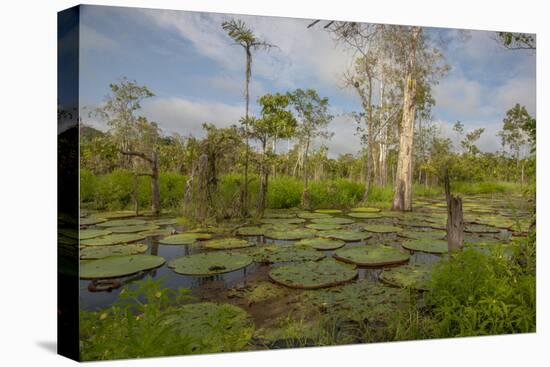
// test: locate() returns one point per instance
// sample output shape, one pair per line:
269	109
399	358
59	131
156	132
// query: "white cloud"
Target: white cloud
488	141
460	96
186	116
519	90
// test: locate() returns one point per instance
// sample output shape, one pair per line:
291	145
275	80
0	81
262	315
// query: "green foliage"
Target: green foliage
482	294
339	193
284	192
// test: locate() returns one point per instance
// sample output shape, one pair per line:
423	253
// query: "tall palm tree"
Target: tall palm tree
244	37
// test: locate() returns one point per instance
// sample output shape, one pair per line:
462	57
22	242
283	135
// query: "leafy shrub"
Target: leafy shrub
339	193
284	192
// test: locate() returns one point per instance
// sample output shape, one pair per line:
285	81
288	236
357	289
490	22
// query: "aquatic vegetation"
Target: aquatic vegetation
364	215
161	232
118	266
433	234
428	245
285	253
112	239
91	221
313	274
382	228
313	215
377	255
344	235
366	210
321	243
226	244
116	214
164	221
250	231
209	263
100	252
187	238
328	211
258	292
282	221
333	220
412	276
293	234
86	234
279	215
122	222
323	226
480	228
133	228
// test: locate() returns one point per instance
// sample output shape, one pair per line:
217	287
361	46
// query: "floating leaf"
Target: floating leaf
226	244
313	274
118	266
209	263
164	221
122	222
86	234
112	239
328	211
366	210
344	235
133	229
184	238
285	253
379	255
408	276
282	220
417	235
382	228
251	231
428	245
91	221
361	215
321	243
295	234
324	226
100	252
312	215
333	220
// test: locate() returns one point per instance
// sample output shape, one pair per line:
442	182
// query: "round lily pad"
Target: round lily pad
333	220
382	228
250	231
217	327
313	274
428	245
91	221
312	215
285	253
366	210
279	215
282	220
328	211
295	234
158	232
408	276
133	229
122	222
209	263
100	252
164	221
86	234
118	266
322	243
323	226
344	235
433	234
361	215
379	255
226	244
184	238
115	215
112	239
480	228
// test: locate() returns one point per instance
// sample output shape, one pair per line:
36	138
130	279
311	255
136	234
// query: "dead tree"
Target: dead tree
201	211
455	219
154	175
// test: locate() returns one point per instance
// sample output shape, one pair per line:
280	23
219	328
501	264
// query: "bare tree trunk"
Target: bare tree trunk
155	184
244	193
455	219
135	195
201	210
305	194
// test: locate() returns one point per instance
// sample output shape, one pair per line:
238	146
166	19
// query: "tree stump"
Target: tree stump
455	219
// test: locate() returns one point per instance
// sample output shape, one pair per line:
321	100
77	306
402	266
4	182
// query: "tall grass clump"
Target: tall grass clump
339	193
284	192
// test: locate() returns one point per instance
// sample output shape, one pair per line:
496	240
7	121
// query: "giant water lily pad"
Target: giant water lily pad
313	274
333	220
313	215
428	245
365	210
118	266
379	255
382	228
480	228
285	253
323	226
279	215
434	234
328	211
133	229
112	239
122	222
91	221
184	238
214	327
164	221
344	235
86	234
361	215
323	244
251	231
226	244
408	276
100	252
294	234
115	215
282	221
159	232
209	263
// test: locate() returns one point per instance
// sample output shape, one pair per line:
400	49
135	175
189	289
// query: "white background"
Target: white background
28	182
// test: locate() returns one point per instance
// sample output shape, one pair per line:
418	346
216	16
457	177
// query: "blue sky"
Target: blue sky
197	74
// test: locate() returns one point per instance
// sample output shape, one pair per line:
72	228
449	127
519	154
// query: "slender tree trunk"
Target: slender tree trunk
402	199
263	183
367	106
305	194
455	219
155	184
244	194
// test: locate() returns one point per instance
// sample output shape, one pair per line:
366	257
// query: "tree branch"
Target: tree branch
137	154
